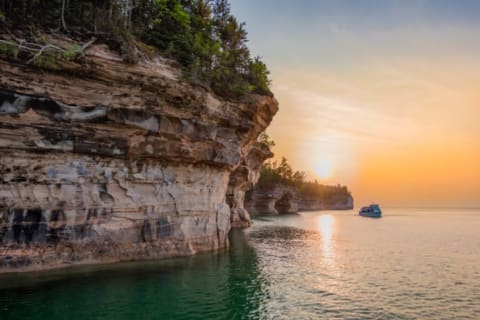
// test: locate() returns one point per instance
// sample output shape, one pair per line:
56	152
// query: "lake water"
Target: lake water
410	264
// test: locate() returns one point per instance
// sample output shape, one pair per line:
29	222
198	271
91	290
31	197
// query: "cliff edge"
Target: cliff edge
104	161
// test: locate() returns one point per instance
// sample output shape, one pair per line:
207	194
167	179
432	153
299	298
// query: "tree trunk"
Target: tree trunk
62	18
127	13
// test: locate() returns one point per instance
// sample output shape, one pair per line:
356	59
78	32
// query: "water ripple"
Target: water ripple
313	266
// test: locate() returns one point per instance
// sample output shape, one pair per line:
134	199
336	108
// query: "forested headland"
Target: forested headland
203	36
274	173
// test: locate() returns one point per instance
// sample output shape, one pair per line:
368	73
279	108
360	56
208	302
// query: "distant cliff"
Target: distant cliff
282	190
281	199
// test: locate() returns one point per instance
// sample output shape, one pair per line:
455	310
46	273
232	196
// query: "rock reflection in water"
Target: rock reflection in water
316	265
226	285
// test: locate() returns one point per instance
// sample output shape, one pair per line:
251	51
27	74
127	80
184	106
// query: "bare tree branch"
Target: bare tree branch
44	49
86	45
38	49
62	18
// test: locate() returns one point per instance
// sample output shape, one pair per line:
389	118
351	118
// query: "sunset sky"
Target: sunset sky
382	96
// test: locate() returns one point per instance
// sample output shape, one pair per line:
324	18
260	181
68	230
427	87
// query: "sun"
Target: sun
324	169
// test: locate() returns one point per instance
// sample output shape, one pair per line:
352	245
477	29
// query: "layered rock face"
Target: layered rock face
285	199
103	161
243	179
344	202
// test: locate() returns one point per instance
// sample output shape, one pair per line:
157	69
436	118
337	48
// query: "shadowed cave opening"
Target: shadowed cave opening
284	204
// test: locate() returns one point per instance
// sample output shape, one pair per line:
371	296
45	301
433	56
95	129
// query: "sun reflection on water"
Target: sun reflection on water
326	226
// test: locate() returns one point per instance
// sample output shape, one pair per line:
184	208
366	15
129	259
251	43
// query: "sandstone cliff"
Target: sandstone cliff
103	161
243	179
285	199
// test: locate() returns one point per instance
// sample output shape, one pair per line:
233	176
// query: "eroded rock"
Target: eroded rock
286	199
243	179
111	162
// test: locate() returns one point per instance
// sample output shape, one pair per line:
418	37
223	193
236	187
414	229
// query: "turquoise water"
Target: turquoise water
411	264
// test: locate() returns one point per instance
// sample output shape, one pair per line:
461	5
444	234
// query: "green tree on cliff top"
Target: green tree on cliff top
202	35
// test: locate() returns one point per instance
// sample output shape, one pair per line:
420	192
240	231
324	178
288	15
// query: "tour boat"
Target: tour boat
372	211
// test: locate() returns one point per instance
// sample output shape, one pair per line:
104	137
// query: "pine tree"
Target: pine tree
202	35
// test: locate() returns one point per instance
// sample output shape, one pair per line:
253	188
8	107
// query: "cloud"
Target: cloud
348	119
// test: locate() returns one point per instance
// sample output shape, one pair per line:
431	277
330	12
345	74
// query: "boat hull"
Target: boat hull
370	215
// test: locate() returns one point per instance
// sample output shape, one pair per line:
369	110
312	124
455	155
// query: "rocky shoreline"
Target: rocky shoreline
286	199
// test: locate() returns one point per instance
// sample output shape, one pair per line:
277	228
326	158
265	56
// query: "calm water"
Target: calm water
411	264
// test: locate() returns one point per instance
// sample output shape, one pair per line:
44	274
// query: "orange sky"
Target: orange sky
400	135
386	101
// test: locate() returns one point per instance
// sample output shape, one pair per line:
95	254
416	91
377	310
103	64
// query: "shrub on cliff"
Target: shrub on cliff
202	35
265	139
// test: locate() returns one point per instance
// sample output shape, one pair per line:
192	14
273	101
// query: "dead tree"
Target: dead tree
62	16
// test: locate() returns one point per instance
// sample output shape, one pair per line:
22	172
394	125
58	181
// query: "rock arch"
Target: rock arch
285	203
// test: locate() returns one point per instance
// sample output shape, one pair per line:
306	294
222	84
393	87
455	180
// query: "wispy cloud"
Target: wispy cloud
375	87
